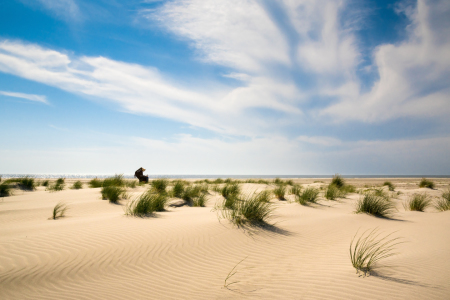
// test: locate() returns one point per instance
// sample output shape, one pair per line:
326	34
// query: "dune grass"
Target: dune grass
230	190
369	248
248	210
95	183
131	183
262	181
195	195
160	185
375	205
24	183
146	204
77	185
295	189
390	186
178	189
45	183
116	180
5	189
338	181
280	192
332	192
417	202
200	201
425	183
112	193
59	210
309	195
57	186
443	203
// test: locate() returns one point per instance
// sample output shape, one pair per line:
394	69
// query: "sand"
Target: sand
96	252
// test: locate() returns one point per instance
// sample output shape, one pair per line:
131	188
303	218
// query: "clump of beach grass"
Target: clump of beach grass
95	183
369	248
295	189
280	192
57	186
45	183
375	205
146	204
23	183
131	183
417	202
230	190
112	193
248	210
309	195
116	180
160	185
443	203
338	181
77	185
390	186
59	210
5	189
178	189
200	201
425	183
332	192
195	195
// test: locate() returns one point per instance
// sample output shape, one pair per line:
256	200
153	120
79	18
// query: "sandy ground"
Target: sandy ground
96	252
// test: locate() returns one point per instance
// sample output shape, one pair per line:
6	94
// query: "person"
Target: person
140	175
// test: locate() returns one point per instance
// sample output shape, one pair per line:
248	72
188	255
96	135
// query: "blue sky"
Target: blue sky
225	87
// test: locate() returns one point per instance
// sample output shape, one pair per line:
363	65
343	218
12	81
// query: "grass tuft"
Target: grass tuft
5	189
425	183
375	205
230	190
146	204
280	192
95	183
309	195
77	185
332	192
160	185
112	193
116	180
443	204
369	248
338	181
417	202
295	189
131	183
390	186
57	186
59	210
178	189
45	183
248	210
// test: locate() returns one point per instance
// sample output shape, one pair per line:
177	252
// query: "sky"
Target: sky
261	87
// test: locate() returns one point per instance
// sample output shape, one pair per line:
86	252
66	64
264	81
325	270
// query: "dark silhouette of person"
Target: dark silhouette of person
140	175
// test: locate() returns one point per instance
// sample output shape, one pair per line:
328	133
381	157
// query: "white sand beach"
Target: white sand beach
97	252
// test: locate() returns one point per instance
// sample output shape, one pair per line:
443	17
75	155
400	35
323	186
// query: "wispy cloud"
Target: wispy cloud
31	97
63	9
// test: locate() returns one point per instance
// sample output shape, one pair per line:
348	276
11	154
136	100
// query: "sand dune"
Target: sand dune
96	252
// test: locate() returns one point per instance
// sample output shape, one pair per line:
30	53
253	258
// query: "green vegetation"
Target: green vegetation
425	183
160	185
262	181
131	183
5	189
218	181
280	192
417	202
369	249
146	204
116	180
59	210
178	189
77	185
375	205
332	192
390	186
57	186
295	189
45	183
338	181
195	195
443	204
230	190
112	193
309	195
95	183
249	210
23	183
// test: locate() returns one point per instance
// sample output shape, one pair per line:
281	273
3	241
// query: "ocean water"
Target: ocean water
217	176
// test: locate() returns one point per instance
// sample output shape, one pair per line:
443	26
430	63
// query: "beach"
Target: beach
97	252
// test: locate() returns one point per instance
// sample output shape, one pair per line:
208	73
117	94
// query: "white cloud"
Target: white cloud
31	97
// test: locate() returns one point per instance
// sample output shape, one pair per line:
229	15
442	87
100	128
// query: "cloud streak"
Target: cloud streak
30	97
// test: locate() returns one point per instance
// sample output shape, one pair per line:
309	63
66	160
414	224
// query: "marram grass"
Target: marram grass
112	193
375	205
59	210
160	185
5	189
425	183
295	189
280	192
443	203
338	181
77	185
146	204
417	202
370	248
390	186
309	195
95	183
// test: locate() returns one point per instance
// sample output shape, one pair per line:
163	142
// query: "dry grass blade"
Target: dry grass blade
231	274
369	249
